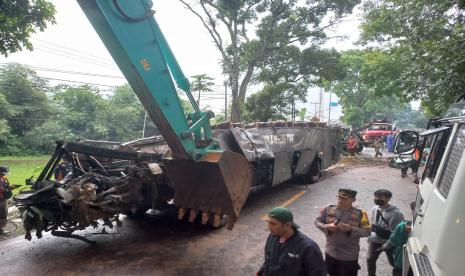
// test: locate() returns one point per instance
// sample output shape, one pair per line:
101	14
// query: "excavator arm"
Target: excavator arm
206	179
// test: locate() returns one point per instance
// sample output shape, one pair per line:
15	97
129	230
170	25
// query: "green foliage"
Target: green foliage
201	84
23	167
24	98
292	71
24	106
33	115
277	24
271	103
19	19
412	119
364	98
425	40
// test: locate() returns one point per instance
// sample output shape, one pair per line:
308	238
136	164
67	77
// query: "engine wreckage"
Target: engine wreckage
91	184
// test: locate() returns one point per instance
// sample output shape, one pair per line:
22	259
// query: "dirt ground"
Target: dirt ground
169	247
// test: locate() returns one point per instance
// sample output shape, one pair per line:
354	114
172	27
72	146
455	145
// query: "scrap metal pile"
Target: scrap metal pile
94	189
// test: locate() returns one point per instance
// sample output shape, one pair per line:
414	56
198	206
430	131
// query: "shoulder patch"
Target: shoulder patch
364	222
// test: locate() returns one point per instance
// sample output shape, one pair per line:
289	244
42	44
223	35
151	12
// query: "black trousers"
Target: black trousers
337	267
372	256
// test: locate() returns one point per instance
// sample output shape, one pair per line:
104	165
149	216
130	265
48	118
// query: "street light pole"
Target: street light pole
226	101
329	109
145	121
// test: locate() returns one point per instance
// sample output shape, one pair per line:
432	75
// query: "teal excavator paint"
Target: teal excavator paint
206	178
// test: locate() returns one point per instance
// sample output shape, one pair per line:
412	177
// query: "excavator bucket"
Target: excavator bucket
214	186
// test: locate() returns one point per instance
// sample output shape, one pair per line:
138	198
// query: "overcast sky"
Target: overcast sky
72	45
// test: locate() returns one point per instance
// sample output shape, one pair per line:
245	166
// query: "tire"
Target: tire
139	213
314	172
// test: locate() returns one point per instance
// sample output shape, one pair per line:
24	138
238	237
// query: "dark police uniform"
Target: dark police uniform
342	248
298	255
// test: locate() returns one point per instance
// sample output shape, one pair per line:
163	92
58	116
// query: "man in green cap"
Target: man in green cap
287	250
343	226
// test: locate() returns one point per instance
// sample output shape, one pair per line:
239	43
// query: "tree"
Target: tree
411	119
287	76
201	84
19	19
277	24
426	38
360	96
26	104
302	113
271	103
84	112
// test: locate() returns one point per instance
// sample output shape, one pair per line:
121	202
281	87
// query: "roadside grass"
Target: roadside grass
23	167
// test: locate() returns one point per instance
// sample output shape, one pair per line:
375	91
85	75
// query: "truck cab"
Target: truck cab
436	245
378	129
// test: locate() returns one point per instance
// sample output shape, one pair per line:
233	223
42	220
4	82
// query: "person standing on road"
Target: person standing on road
343	226
384	219
352	145
288	251
5	194
378	145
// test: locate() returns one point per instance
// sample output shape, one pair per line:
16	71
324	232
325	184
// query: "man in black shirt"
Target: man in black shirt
288	251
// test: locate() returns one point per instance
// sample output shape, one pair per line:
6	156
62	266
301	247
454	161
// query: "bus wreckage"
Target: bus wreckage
103	180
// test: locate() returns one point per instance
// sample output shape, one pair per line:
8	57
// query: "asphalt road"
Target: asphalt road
169	247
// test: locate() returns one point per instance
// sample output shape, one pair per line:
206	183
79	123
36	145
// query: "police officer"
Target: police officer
343	226
287	250
5	194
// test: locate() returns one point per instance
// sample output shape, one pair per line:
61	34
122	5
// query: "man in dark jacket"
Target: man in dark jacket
384	219
287	250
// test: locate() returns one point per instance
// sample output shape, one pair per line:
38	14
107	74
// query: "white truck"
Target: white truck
436	245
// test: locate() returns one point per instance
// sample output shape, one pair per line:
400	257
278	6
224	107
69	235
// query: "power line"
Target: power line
76	55
89	83
78	58
74	50
72	72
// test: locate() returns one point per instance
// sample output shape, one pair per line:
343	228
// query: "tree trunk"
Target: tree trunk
198	100
235	110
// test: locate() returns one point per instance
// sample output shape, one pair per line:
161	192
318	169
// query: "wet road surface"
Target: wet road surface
170	247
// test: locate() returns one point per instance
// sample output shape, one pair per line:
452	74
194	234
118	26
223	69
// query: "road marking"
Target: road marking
288	202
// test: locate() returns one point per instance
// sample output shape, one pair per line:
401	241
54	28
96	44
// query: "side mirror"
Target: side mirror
405	142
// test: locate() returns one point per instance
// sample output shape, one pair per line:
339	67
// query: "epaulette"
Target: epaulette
360	210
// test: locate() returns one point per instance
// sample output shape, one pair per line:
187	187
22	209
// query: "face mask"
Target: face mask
379	202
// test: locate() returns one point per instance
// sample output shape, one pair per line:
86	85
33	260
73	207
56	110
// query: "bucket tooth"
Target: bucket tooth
218	183
181	213
205	217
192	215
217	221
231	222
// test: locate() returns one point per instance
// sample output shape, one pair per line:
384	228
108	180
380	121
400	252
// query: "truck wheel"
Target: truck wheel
223	221
139	213
315	172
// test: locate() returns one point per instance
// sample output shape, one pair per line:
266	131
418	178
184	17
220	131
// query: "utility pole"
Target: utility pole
314	103
321	100
145	121
293	110
226	101
329	109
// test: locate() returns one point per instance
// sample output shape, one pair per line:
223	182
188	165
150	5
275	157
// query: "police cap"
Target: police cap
347	193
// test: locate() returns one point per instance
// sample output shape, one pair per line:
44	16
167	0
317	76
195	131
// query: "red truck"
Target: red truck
377	129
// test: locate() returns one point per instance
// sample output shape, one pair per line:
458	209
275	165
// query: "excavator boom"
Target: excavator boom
202	173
